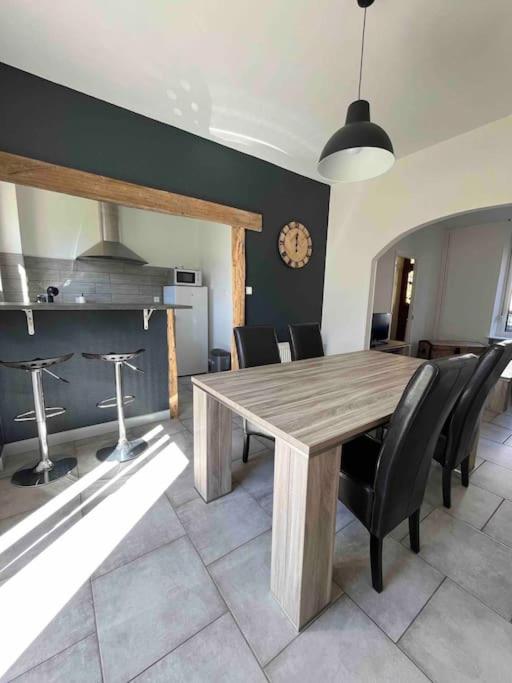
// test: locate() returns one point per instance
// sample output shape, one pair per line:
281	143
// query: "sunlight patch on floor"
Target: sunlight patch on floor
43	513
36	594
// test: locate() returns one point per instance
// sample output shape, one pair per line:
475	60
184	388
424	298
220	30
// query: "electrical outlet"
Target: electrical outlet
248	291
156	299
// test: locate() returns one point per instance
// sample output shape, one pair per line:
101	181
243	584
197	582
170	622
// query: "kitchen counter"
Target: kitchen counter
57	328
89	306
31	306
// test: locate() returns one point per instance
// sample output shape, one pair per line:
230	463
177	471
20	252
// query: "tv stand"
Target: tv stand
393	346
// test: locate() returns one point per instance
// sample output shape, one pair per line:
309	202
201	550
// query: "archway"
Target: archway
458	176
482	239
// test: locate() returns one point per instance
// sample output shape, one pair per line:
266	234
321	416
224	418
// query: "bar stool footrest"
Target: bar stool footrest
112	401
30	415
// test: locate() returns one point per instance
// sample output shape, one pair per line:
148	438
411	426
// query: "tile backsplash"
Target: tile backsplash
105	282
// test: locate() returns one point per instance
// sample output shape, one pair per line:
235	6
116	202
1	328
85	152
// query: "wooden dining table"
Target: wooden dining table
311	407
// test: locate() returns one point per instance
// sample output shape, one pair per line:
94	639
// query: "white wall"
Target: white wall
10	237
55	225
426	247
216	267
465	173
475	262
163	240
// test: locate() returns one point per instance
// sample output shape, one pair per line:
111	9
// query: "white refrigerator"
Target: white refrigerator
191	328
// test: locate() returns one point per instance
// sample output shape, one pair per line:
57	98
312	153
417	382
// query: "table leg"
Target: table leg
213	429
303	528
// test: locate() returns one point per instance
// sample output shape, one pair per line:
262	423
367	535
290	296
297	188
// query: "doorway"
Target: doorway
403	294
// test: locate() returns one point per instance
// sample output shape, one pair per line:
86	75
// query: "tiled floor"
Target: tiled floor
123	573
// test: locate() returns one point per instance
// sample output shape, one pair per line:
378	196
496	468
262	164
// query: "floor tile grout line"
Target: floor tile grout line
475	597
444	577
389	637
459	519
102	672
250	540
409	626
218	559
139	557
220	592
235	620
422	609
492	462
464	588
493	514
308	625
454	580
43	661
178	646
465	521
185	535
489	490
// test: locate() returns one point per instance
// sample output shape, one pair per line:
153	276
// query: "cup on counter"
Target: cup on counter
81	299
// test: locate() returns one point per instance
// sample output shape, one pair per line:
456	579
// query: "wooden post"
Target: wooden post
238	285
172	365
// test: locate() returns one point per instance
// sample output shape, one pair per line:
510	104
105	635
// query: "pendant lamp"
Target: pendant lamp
361	149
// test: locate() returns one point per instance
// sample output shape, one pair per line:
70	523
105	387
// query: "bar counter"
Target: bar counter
29	330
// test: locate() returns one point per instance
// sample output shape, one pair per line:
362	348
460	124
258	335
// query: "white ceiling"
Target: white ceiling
273	78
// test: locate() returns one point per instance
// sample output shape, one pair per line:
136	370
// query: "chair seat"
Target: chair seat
36	363
113	357
359	460
254	428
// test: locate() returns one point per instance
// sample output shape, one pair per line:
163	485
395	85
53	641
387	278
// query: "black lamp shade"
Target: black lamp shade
358	151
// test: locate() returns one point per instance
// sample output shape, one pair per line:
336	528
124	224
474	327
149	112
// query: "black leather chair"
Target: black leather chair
424	349
458	435
255	345
383	483
305	341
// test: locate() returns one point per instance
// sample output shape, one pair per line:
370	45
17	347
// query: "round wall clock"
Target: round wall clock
295	245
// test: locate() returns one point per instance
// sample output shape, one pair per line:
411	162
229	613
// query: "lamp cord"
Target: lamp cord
362	54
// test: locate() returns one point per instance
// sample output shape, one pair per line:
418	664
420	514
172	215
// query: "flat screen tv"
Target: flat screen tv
380	328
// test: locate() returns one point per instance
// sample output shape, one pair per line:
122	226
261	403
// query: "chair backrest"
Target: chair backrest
407	450
256	345
462	424
424	349
305	341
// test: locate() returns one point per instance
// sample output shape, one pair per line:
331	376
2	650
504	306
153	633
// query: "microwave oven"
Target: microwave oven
189	278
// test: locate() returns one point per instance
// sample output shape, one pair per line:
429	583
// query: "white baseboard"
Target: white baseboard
81	433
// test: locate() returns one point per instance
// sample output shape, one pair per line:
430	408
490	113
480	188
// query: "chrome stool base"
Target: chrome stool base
122	451
39	477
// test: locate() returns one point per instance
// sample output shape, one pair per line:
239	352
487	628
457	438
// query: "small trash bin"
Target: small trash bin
219	360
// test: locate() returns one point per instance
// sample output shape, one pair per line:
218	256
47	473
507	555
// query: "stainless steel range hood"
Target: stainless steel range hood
110	248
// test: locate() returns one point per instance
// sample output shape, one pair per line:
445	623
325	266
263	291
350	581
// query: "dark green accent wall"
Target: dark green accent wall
46	121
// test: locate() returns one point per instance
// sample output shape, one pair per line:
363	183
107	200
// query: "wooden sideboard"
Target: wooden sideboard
394	346
430	349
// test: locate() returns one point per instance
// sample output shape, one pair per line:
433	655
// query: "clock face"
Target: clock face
295	245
